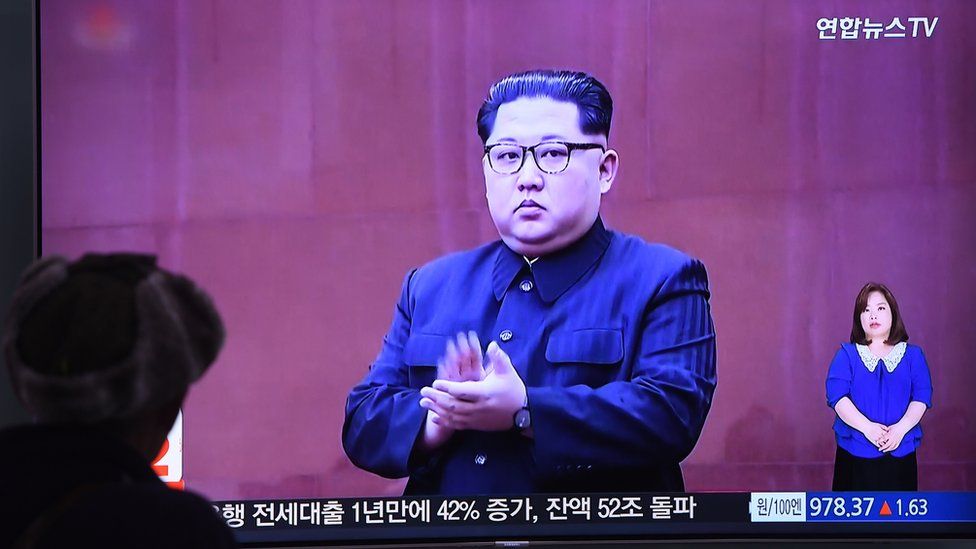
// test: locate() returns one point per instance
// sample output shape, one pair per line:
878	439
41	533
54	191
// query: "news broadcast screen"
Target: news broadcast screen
685	365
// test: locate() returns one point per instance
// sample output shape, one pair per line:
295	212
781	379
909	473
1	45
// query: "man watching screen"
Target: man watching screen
102	352
600	363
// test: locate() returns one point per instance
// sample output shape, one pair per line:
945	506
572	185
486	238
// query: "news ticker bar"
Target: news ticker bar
863	507
601	509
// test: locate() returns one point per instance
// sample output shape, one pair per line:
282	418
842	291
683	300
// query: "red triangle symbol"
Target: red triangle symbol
885	510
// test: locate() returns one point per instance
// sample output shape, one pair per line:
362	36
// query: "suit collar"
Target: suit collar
554	273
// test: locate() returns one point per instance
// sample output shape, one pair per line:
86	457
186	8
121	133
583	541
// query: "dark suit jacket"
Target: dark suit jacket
613	338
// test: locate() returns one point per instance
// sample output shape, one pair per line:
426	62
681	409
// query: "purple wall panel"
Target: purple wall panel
298	157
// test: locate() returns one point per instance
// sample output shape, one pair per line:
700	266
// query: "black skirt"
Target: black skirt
884	474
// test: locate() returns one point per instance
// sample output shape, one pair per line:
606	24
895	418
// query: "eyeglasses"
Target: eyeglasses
550	156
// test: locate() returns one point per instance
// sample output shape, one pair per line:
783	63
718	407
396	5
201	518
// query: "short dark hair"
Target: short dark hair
586	92
897	333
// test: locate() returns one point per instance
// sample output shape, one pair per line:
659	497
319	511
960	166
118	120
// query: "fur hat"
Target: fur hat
106	336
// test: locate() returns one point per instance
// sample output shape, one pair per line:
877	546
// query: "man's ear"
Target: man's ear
608	170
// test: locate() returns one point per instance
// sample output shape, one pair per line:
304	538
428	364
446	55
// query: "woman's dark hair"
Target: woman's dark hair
581	89
897	333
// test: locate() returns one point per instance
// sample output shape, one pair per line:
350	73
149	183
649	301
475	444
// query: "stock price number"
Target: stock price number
914	507
841	507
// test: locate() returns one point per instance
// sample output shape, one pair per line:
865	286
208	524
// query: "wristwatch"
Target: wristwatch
522	419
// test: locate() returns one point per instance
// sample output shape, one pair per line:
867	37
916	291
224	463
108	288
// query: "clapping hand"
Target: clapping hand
488	404
462	359
461	362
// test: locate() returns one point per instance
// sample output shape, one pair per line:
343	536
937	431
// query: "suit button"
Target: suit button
526	285
480	459
506	335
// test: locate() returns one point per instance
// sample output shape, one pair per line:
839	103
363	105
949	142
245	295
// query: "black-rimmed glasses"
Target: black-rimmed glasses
550	156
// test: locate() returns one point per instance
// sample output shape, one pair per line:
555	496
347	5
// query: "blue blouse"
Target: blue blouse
881	395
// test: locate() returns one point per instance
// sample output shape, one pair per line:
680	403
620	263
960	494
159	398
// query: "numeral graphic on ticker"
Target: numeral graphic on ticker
169	463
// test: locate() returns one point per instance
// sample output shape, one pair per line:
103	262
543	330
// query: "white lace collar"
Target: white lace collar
891	361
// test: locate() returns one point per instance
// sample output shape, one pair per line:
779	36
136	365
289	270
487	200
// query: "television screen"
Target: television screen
312	162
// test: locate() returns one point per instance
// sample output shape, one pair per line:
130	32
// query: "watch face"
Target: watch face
522	418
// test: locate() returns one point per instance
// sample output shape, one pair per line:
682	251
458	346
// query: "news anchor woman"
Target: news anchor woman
880	387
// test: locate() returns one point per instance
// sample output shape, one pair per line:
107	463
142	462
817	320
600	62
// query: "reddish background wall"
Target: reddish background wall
298	157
